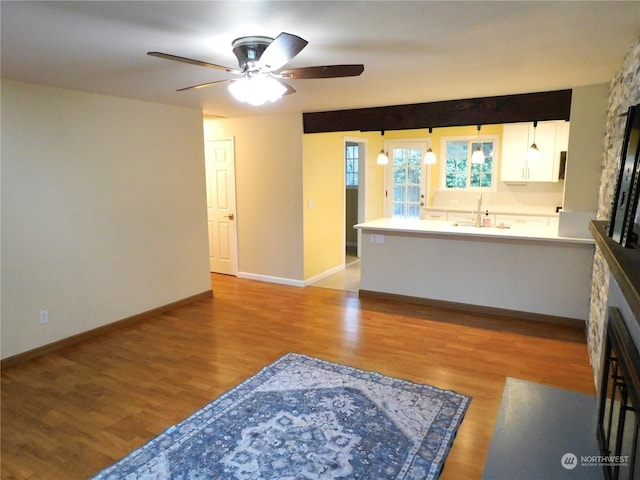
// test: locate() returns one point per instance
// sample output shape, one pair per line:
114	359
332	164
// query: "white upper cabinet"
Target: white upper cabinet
550	137
562	136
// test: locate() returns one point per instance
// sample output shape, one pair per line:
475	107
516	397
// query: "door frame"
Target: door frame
424	143
362	185
233	247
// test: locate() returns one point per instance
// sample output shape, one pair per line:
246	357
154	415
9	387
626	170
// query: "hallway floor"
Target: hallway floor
347	279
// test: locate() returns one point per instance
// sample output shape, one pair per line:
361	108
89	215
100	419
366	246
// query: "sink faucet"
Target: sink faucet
479	211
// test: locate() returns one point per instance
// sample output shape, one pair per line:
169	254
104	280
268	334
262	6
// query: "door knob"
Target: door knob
230	216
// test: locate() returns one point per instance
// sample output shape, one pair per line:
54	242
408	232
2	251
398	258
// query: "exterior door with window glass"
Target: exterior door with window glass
406	180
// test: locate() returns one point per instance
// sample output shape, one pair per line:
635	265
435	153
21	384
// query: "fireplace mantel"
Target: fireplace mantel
624	264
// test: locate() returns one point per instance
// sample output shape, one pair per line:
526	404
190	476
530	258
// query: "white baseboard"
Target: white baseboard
324	274
290	281
267	278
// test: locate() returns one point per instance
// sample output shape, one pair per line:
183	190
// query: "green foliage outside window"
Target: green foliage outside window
407	175
457	160
460	172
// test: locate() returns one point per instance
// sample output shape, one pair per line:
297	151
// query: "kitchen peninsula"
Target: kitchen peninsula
525	271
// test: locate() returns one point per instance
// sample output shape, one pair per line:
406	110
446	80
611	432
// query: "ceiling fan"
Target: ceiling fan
261	72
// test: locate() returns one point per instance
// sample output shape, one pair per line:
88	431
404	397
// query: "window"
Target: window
352	158
459	172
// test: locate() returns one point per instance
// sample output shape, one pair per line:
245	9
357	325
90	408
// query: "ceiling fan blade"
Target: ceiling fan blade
202	85
191	61
289	88
324	71
283	48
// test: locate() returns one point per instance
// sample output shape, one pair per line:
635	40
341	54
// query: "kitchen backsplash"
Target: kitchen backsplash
532	198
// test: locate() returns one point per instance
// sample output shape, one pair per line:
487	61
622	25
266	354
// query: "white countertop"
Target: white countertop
447	228
502	210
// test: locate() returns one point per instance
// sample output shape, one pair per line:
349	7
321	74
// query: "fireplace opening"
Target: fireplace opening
619	402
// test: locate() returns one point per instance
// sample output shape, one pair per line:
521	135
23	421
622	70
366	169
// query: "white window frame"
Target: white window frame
348	143
470	138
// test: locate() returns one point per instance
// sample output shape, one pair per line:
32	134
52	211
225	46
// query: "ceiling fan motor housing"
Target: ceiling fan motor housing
248	50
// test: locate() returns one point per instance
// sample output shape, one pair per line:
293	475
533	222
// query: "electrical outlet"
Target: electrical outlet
377	238
44	317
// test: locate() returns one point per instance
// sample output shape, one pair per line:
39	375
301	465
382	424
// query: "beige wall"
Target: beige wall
103	219
103	211
586	137
268	155
324	223
324	202
375	177
584	160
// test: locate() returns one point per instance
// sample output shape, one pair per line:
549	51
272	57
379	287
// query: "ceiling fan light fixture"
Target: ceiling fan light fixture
261	60
257	89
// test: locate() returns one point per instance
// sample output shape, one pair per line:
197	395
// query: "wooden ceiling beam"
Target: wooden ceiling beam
526	107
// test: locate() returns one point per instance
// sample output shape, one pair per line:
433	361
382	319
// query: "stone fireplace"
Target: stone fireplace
613	328
624	91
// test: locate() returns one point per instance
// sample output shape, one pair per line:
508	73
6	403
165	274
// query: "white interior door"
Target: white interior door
221	206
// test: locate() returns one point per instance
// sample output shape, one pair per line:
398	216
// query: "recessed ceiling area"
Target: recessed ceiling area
413	52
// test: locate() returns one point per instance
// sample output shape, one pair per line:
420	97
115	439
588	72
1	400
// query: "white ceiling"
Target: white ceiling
417	51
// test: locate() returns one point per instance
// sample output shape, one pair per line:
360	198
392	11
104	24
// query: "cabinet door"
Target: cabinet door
516	140
546	167
531	220
514	152
462	217
562	137
440	215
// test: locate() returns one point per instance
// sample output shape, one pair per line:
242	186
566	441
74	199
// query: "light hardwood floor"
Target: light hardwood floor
71	413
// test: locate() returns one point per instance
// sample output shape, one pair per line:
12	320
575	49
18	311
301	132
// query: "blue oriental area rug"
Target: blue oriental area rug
301	418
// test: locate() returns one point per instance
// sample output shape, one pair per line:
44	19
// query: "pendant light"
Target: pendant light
533	154
430	157
383	158
478	155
